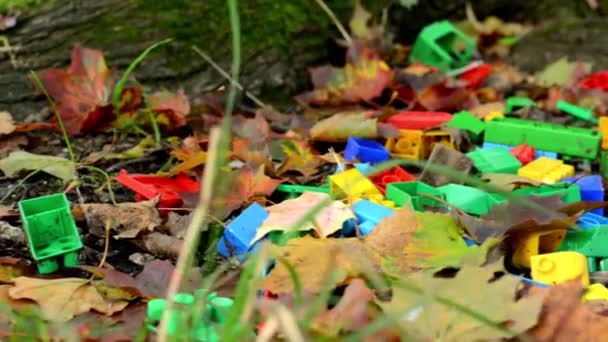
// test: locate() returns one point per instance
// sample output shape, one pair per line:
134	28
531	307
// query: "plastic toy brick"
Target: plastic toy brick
443	46
493	115
396	174
589	242
469	241
364	168
571	141
433	137
604	164
524	153
494	161
590	220
407	146
576	111
475	77
365	150
546	170
240	231
599	80
466	121
570	192
409	193
538	154
534	244
470	200
603	127
148	186
592	189
293	191
368	216
596	292
351	183
555	268
418	120
530	281
51	232
514	103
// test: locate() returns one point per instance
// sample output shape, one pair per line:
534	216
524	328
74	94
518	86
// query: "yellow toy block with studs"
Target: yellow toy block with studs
555	268
435	136
596	292
406	146
535	244
603	126
493	115
546	170
352	183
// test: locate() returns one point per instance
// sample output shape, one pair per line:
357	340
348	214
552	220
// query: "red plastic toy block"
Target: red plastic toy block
598	80
418	120
393	175
475	77
169	189
524	153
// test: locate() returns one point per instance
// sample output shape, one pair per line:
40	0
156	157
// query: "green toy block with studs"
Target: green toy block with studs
443	46
412	194
571	193
514	103
470	200
577	111
592	243
183	322
495	160
293	191
51	232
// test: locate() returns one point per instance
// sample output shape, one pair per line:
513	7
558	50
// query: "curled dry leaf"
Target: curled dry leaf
127	220
285	215
340	126
62	299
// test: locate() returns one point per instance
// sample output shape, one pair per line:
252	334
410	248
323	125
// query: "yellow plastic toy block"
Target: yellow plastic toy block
604	130
534	244
546	170
493	115
407	146
432	137
596	292
378	200
352	183
555	268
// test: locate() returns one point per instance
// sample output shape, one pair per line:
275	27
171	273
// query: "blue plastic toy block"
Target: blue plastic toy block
548	154
368	215
365	150
469	241
365	168
240	231
591	220
592	189
530	281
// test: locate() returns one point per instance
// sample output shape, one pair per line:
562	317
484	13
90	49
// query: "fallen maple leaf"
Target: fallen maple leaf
440	97
432	308
299	157
340	126
172	108
81	92
56	166
285	215
564	317
7	125
190	154
62	299
363	78
127	219
248	183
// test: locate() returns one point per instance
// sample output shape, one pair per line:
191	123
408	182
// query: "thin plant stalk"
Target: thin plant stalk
335	20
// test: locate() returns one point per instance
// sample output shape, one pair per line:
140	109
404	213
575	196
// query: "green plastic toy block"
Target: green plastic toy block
496	160
604	164
591	242
516	102
571	192
402	193
51	231
294	191
571	141
468	122
470	200
576	111
443	46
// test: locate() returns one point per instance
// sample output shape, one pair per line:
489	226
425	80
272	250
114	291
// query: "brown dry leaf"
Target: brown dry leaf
11	144
7	125
565	318
248	183
114	284
5	211
11	268
285	215
62	299
161	245
176	224
126	219
153	281
441	97
508	182
340	126
352	312
483	110
319	264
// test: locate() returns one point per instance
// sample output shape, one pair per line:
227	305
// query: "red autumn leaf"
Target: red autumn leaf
175	106
247	185
81	92
441	97
363	78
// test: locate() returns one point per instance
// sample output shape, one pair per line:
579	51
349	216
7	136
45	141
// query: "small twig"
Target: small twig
21	181
336	22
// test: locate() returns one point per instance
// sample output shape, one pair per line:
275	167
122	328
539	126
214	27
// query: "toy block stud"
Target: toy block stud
443	46
365	150
406	146
546	170
524	153
51	231
555	268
